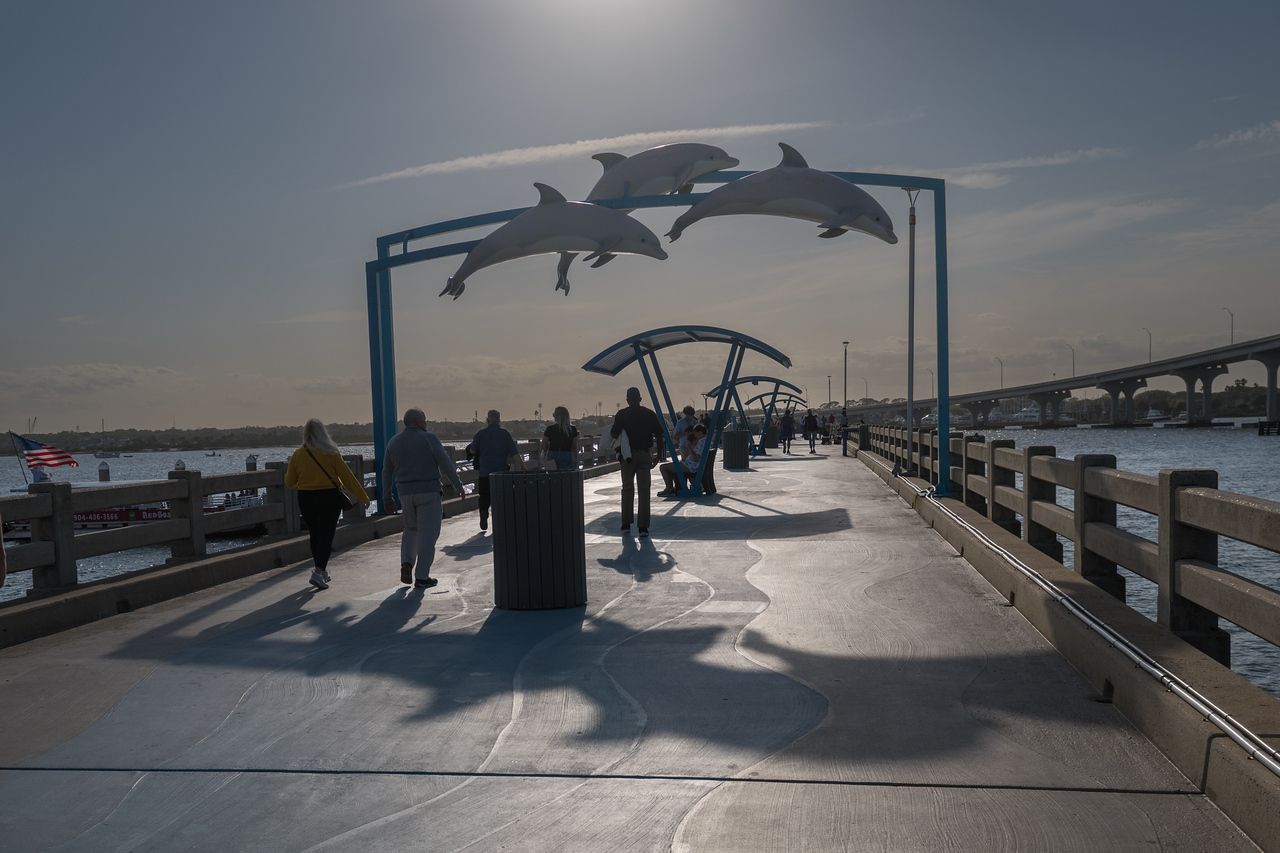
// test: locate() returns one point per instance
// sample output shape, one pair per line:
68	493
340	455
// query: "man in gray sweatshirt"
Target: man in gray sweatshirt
414	461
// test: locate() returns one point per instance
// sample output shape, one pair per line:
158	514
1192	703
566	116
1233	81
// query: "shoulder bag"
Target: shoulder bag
344	497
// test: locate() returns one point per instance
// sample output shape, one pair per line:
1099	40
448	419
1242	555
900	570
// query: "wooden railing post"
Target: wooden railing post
287	498
1089	508
971	463
1033	489
1193	623
356	463
59	530
190	507
996	476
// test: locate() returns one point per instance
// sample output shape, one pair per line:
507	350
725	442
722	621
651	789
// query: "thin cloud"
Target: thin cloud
988	176
583	147
313	318
1244	136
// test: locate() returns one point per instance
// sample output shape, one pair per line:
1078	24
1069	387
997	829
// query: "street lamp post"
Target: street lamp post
844	398
1148	331
932	393
866	389
1232	315
829	400
1001	360
1073	359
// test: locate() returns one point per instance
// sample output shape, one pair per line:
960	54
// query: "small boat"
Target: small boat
213	453
106	454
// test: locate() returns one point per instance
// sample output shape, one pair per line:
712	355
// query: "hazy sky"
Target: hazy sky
187	206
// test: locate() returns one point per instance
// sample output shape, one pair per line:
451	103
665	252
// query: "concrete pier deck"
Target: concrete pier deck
796	664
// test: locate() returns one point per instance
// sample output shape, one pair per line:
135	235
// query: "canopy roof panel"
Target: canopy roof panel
760	380
616	358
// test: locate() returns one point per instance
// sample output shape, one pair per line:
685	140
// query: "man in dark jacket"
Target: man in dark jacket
644	434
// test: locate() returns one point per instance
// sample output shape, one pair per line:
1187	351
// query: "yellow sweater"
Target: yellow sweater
303	473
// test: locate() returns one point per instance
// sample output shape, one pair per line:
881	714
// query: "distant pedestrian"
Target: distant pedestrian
787	430
494	451
414	461
319	473
560	441
644	435
811	430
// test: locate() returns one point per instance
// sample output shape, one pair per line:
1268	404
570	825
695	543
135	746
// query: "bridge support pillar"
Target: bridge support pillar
1050	404
1180	542
1122	394
981	411
1203	411
1271	361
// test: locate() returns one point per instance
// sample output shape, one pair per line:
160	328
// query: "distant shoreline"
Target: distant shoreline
209	438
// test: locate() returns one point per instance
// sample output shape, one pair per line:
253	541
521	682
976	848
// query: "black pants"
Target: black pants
320	510
482	489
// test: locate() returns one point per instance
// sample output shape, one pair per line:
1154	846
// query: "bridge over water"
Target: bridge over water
1198	370
798	663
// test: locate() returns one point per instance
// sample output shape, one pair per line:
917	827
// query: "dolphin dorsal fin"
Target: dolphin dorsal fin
791	157
609	159
548	195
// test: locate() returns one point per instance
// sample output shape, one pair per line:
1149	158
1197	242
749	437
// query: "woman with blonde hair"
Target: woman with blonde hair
319	473
560	441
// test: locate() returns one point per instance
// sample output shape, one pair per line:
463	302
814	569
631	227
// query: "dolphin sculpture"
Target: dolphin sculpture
794	190
558	225
655	171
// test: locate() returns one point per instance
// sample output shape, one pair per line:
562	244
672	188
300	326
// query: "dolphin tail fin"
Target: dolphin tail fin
562	271
462	285
448	288
602	260
833	232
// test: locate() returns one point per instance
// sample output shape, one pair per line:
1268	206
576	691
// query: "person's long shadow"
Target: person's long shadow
640	559
477	545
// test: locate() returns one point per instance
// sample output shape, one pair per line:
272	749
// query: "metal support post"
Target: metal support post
944	380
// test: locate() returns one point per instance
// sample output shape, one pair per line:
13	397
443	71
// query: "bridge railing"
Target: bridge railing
182	511
1191	515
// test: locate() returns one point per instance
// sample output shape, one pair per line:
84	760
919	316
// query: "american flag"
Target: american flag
42	455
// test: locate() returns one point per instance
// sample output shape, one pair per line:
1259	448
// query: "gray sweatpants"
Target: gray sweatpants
422	514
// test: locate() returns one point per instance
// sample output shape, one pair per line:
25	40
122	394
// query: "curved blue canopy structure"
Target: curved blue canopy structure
616	358
733	398
642	349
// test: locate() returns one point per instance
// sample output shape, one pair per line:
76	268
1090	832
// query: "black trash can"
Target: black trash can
771	437
737	449
539	540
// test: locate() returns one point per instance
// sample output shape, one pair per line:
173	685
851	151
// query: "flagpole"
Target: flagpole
20	457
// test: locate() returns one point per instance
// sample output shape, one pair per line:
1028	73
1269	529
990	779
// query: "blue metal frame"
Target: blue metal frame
378	286
757	448
645	354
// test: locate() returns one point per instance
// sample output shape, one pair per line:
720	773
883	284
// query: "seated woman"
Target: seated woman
691	451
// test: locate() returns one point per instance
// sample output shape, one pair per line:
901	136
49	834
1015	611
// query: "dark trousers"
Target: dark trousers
482	489
635	477
320	510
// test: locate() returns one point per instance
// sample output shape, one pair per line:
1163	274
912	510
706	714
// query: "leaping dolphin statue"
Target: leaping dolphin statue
794	190
654	171
558	225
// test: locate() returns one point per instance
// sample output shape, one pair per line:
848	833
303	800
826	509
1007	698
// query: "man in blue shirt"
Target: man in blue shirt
492	449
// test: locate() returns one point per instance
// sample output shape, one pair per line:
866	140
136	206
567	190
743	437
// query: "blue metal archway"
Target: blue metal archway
382	359
643	348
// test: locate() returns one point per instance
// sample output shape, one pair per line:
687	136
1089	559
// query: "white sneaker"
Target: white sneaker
318	580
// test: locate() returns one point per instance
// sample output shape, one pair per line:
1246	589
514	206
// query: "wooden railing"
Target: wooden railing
56	545
1191	514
